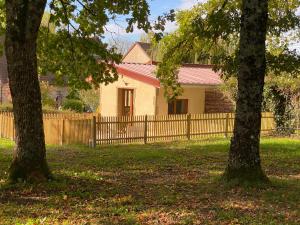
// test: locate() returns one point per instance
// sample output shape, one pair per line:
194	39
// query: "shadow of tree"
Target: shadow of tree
165	184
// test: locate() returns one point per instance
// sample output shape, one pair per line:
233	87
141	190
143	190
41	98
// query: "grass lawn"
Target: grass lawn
175	183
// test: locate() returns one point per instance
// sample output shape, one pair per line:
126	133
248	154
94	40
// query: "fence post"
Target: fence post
226	125
145	129
94	130
188	126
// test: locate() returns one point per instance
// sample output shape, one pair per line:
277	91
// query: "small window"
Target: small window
178	106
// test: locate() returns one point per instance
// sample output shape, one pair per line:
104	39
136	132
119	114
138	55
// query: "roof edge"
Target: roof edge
138	76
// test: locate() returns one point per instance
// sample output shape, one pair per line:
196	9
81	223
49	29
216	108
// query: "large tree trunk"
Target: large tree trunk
244	159
23	21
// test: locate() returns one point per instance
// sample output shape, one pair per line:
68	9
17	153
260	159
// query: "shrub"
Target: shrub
73	105
73	94
90	98
51	109
6	107
47	99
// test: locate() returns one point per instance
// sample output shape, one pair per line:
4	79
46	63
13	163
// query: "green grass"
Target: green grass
174	183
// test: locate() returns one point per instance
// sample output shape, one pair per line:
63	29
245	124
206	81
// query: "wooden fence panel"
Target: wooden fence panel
78	128
267	123
62	128
147	129
209	125
7	125
117	130
167	128
52	131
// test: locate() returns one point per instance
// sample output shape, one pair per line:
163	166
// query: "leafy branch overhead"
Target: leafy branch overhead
209	33
70	42
76	49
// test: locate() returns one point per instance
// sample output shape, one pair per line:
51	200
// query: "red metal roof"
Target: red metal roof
188	74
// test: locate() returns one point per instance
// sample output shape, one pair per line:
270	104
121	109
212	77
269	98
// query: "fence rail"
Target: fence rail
144	129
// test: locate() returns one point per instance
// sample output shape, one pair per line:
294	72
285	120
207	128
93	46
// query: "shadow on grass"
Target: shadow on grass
176	183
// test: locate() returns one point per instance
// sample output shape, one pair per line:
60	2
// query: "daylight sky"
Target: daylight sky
157	7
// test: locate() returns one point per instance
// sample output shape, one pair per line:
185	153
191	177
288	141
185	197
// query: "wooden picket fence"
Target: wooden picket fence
146	129
92	129
59	128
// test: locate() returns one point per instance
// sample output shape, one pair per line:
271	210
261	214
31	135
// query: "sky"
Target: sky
157	7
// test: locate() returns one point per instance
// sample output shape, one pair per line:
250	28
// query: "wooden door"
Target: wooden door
127	102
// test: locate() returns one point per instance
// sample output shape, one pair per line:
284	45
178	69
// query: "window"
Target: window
178	106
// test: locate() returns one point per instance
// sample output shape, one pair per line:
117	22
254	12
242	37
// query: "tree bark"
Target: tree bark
23	22
244	159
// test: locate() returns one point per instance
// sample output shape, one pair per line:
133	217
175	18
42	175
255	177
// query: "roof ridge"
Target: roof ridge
134	63
197	65
208	66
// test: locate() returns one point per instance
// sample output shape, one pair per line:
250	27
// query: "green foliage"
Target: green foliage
2	17
281	103
76	49
6	107
229	88
209	32
73	105
46	23
73	94
90	98
52	109
280	97
47	99
46	108
70	43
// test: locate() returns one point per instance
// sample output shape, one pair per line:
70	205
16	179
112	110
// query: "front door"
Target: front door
126	102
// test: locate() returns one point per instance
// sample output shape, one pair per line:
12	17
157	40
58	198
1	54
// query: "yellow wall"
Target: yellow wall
195	96
137	55
144	97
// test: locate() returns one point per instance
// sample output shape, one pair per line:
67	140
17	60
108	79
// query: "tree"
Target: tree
74	50
20	47
244	159
216	31
120	44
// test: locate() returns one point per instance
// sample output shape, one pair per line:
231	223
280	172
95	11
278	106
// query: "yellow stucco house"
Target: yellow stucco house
138	91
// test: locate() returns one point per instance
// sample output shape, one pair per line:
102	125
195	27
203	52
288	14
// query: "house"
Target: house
139	92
